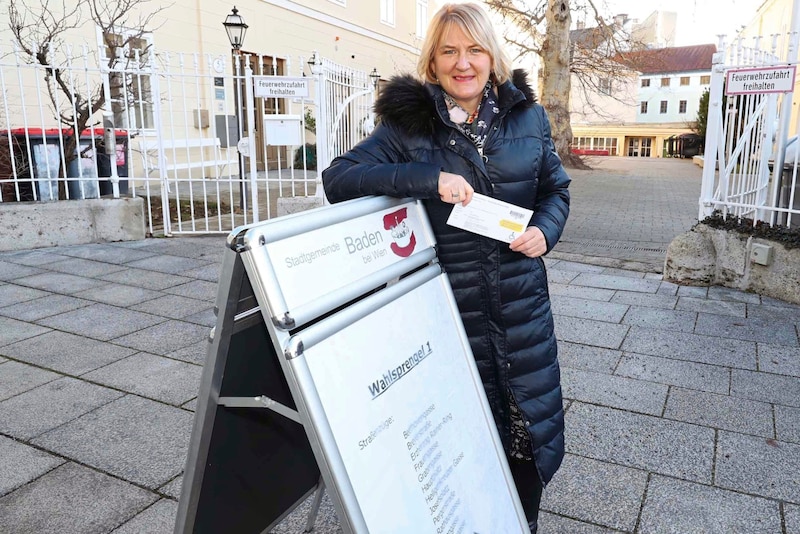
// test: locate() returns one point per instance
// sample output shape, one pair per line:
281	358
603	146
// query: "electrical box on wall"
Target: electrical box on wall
200	117
761	254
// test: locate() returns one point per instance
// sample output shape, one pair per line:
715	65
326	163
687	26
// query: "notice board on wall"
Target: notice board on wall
371	346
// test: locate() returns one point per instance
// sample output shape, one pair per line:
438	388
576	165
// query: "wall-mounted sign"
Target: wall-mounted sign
281	87
778	79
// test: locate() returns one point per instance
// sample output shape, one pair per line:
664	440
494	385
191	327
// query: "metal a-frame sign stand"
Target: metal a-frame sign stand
339	363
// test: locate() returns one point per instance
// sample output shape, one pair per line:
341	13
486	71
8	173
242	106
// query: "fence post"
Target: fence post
321	119
251	138
714	126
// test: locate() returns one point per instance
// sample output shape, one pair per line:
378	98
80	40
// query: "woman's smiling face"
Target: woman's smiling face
462	67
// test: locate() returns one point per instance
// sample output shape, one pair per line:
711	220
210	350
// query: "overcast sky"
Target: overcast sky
699	21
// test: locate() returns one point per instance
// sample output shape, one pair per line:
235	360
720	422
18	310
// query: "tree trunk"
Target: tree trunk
556	78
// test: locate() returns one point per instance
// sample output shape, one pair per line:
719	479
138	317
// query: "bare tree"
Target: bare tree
40	29
594	58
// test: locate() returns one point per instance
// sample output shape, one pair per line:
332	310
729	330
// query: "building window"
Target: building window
682	106
643	107
664	82
705	80
387	12
422	17
604	86
645	82
663	106
684	80
598	146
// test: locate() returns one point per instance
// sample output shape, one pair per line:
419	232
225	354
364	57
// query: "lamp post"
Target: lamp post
236	30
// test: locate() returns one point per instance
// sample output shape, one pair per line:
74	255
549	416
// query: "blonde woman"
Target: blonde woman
472	125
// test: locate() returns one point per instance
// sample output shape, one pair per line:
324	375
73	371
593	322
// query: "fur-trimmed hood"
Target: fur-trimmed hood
412	106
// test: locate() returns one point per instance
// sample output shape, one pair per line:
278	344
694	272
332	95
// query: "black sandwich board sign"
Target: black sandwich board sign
339	363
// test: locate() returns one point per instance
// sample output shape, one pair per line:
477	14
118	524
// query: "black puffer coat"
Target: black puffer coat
502	295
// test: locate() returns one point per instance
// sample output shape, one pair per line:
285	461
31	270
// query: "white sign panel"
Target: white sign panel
283	130
281	87
404	404
760	80
315	263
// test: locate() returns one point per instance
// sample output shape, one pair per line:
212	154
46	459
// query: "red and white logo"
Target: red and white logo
403	236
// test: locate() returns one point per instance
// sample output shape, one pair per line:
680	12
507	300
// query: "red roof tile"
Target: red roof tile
673	59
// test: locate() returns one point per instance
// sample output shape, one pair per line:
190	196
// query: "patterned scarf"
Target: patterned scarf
476	125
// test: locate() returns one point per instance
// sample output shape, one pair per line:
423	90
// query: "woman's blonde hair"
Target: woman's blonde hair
474	22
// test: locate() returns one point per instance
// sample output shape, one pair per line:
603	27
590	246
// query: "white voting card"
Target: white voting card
491	218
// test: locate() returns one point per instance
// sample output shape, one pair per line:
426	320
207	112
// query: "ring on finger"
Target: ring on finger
456	194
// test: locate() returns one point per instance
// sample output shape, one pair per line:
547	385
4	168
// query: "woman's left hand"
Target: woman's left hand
531	243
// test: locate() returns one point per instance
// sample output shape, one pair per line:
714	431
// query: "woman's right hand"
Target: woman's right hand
454	189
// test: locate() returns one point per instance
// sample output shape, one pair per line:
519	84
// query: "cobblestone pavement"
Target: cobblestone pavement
682	403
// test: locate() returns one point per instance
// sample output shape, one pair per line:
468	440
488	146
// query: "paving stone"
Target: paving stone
588	332
14	294
668	288
691	291
690	375
173	306
670	448
666	302
195	353
50	405
88	268
33	310
750	329
614	391
599	492
19	464
66	353
787	423
158	519
766	387
62	283
191	405
197	289
210	272
791	514
16	378
556	524
718	307
10	271
691	347
167	264
119	295
105	252
779	359
34	258
758	466
623	283
580	292
136	439
660	319
173	488
206	318
784	314
72	499
726	293
588	357
587	309
678	507
770	301
566	265
296	521
560	276
146	279
151	376
165	337
625	273
720	411
12	330
101	321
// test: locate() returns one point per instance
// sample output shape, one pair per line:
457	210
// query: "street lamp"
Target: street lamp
375	77
236	29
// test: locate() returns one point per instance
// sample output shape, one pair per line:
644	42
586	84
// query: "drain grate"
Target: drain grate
596	244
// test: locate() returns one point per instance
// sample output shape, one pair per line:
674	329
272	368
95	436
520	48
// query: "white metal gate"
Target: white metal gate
750	168
179	124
